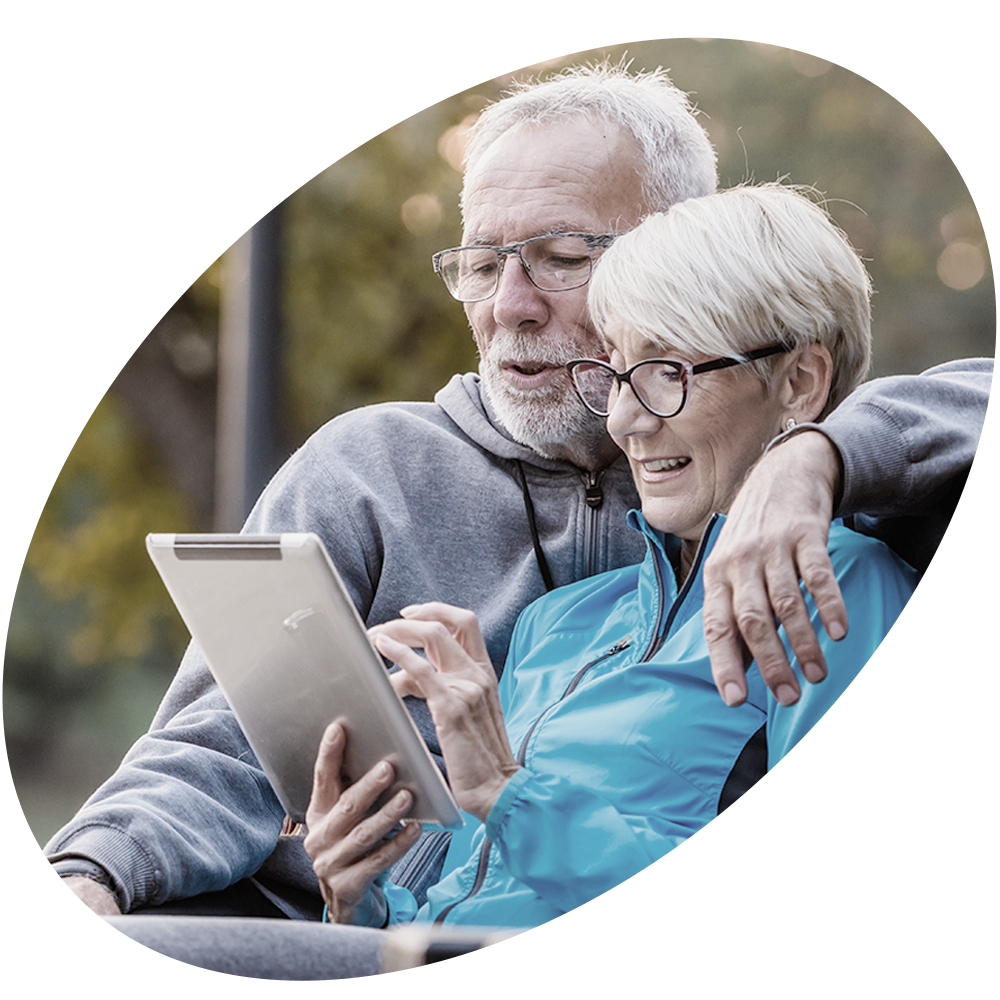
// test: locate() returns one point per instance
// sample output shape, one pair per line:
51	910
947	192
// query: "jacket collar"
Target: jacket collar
657	587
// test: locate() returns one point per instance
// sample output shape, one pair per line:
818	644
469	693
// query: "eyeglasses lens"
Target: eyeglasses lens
658	385
597	386
554	264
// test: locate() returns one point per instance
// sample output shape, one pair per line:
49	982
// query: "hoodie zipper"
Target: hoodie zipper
487	845
593	496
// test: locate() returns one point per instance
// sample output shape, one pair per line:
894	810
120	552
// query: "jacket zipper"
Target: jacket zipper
660	633
487	845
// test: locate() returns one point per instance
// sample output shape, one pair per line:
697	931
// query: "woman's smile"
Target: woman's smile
658	469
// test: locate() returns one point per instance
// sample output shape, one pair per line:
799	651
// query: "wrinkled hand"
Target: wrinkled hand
99	899
776	533
348	850
458	682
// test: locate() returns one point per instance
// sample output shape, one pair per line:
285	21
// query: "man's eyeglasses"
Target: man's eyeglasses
553	263
660	385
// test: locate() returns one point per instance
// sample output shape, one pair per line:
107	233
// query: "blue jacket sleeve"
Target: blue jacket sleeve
568	843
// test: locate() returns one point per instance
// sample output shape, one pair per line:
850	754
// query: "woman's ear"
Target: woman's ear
806	383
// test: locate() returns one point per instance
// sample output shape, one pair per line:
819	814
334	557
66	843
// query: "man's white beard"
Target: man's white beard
551	419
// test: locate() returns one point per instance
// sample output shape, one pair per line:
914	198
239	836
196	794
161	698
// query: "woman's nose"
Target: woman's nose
517	301
628	417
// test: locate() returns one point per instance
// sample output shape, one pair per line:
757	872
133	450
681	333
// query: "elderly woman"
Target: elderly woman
726	320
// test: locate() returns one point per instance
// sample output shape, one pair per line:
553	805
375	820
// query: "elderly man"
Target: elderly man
505	486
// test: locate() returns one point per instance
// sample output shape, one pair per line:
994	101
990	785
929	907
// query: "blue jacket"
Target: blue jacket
625	745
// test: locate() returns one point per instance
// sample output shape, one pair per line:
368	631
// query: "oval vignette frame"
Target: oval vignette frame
601	929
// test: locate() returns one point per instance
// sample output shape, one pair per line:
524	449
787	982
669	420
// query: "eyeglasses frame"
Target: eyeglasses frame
600	241
686	369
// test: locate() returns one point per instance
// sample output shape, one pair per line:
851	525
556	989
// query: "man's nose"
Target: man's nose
517	301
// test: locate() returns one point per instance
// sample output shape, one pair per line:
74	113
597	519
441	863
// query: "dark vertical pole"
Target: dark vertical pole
249	371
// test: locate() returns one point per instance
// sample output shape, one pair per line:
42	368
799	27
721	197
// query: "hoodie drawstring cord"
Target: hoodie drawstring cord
529	507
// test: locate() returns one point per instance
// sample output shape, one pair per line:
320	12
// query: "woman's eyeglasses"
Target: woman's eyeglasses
660	385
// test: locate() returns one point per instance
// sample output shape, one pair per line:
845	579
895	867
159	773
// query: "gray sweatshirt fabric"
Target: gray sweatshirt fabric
907	444
415	502
421	501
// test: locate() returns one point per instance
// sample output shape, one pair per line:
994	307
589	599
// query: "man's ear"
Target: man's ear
806	383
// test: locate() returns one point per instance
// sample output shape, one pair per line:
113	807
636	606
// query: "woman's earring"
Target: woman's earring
789	423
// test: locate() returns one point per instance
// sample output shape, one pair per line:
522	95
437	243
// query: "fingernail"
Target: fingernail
383	770
836	631
732	693
814	672
786	695
401	799
333	733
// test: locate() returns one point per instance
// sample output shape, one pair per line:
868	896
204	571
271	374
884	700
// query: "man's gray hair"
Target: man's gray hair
678	156
740	269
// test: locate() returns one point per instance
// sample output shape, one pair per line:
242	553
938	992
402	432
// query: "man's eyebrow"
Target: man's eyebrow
559	229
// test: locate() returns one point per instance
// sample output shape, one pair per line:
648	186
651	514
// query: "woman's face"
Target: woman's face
688	467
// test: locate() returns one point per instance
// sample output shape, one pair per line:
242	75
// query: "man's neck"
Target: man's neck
589	455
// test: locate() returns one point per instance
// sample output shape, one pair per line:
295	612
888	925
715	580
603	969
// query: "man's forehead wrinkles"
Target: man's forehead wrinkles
483	239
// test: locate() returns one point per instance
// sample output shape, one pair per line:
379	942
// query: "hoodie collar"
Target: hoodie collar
465	401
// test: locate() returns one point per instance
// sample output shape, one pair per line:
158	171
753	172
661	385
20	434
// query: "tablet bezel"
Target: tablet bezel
249	602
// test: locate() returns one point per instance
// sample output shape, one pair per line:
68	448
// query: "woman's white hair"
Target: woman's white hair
741	269
678	156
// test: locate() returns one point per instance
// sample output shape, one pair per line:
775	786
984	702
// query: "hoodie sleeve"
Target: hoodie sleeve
190	809
907	443
904	437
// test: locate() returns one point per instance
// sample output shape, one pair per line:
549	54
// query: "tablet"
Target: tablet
287	647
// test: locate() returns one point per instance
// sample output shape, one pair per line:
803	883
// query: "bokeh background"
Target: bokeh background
93	638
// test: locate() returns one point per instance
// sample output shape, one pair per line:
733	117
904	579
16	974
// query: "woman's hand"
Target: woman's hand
348	851
458	682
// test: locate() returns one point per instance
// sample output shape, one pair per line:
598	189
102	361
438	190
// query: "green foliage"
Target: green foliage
89	547
367	320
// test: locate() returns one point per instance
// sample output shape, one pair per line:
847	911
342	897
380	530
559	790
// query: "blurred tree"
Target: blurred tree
366	320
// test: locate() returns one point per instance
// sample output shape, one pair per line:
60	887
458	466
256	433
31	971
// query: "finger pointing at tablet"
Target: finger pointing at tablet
459	685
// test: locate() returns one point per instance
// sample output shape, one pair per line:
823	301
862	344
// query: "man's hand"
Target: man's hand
348	850
99	899
775	534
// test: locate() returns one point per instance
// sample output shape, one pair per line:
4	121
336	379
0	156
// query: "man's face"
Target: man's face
573	177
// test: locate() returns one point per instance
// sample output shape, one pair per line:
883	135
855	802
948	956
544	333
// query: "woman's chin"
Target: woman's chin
672	522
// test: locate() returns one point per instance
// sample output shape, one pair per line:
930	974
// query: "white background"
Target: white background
142	140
